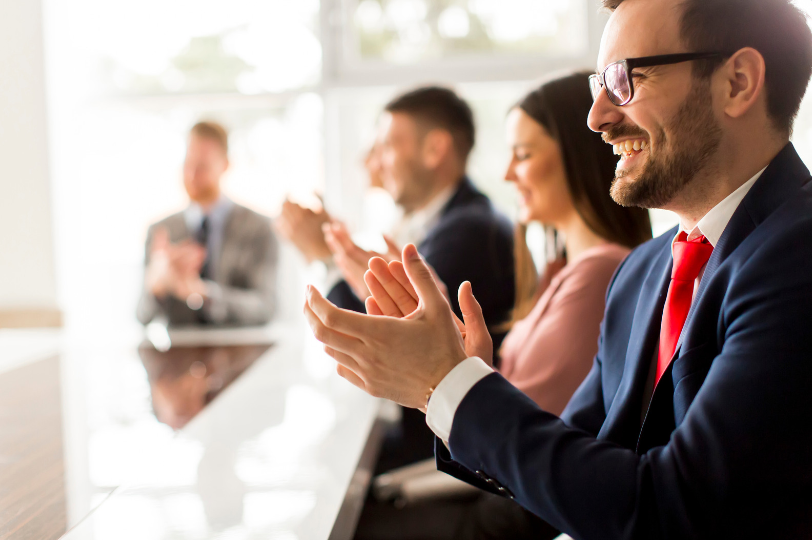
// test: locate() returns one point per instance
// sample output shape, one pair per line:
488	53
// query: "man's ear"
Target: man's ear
744	74
438	144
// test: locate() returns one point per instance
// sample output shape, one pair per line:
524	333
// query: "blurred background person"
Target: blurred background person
426	137
214	263
563	172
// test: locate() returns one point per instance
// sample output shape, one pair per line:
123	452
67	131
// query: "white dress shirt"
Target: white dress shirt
455	386
413	228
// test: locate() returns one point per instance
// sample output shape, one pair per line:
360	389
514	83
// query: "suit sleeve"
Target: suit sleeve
738	451
149	307
255	303
342	296
585	411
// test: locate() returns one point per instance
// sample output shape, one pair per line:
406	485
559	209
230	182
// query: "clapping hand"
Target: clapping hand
175	268
393	295
401	359
303	228
350	259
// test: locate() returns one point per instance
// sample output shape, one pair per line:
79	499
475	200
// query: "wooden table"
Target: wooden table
32	471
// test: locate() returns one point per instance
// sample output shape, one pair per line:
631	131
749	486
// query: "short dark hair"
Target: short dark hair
437	107
775	28
213	132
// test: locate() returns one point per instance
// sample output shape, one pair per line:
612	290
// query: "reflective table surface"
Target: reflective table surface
238	437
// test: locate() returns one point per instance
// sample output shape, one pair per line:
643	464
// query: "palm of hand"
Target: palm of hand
400	359
350	259
393	295
303	228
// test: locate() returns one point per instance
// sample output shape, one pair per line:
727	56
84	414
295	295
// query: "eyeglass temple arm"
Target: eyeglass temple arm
667	59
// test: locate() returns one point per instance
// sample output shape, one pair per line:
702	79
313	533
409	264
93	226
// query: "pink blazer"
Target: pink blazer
549	353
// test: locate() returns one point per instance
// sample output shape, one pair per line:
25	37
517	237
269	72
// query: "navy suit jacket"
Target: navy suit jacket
470	242
723	449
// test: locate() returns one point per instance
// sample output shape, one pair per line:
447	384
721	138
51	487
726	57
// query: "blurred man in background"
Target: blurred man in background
215	262
421	157
426	137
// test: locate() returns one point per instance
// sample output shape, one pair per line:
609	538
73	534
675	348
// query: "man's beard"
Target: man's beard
695	138
417	185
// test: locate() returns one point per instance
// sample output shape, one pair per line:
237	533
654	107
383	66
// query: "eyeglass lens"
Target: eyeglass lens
618	84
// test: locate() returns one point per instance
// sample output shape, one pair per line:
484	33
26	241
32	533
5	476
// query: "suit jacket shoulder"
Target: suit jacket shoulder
174	224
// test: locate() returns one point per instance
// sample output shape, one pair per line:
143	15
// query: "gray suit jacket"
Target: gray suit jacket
244	290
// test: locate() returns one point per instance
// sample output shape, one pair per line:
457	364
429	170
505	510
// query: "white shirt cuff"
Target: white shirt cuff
450	392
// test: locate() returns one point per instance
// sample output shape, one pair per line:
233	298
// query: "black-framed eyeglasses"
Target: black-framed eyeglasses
617	79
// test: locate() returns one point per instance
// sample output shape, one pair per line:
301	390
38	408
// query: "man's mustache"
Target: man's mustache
620	132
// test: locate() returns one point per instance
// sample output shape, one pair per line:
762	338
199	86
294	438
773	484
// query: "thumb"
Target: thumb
477	338
421	277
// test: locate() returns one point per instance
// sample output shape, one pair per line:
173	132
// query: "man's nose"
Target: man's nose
604	114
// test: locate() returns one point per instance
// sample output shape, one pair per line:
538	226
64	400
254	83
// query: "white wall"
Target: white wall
27	276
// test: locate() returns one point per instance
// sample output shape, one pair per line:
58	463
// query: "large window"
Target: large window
408	31
298	84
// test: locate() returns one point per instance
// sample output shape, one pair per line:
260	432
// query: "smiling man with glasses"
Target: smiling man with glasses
693	422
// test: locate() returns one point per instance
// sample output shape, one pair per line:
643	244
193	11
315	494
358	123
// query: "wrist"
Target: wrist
424	409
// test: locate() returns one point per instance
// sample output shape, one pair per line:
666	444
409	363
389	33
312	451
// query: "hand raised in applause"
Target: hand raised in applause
400	359
174	268
302	227
394	296
350	259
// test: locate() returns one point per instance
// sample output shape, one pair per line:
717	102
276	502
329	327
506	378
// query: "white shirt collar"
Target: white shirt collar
714	223
414	227
217	213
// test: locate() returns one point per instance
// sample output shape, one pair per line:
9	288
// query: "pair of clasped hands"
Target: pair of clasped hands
174	269
320	237
409	340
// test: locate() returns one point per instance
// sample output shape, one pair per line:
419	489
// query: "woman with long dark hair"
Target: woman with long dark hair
563	173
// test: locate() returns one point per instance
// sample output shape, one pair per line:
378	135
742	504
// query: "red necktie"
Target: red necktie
689	258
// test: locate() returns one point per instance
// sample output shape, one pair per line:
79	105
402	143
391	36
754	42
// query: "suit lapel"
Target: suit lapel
623	417
229	242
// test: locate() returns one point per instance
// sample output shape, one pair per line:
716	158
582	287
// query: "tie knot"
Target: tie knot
690	257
